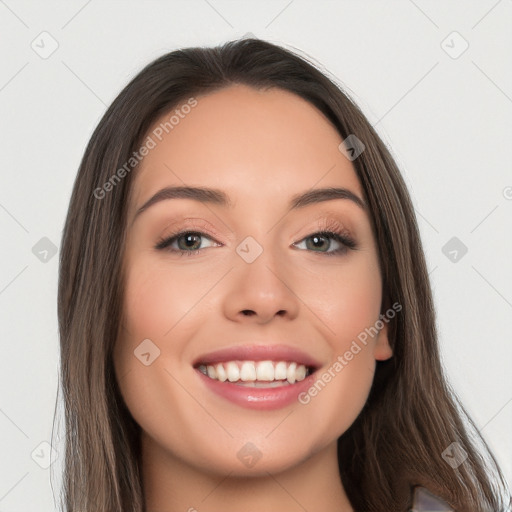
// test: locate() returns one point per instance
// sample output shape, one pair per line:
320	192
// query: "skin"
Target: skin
258	147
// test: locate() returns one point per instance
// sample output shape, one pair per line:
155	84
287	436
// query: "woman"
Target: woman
245	314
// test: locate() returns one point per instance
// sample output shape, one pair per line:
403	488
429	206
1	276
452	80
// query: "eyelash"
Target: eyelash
329	229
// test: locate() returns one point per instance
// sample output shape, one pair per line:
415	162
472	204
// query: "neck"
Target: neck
172	485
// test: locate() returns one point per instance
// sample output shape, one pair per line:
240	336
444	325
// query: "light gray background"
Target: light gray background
446	119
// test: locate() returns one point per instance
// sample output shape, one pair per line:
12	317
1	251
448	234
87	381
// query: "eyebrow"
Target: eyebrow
220	198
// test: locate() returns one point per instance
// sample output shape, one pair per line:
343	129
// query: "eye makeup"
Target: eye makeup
328	229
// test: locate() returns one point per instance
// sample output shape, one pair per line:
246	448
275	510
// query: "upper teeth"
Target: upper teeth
250	371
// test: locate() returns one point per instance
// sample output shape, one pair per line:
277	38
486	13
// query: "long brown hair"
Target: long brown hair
411	415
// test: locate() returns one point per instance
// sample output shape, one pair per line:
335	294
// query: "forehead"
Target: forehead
256	143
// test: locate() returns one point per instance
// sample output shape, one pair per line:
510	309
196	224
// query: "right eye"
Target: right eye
188	242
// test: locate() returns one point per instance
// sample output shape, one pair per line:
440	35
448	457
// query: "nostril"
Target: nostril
248	312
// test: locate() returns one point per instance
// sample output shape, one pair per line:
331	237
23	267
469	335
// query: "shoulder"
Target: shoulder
425	501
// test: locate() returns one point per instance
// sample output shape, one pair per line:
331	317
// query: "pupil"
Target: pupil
189	241
317	241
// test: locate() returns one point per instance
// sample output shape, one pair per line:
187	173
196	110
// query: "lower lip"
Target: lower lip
258	398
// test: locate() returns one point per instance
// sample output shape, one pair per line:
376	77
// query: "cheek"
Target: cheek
150	310
347	302
346	298
158	306
157	298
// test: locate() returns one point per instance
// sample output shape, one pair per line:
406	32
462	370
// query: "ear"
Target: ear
382	349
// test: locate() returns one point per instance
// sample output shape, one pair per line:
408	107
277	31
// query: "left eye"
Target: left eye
324	240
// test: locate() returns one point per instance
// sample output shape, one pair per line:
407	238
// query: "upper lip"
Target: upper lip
258	353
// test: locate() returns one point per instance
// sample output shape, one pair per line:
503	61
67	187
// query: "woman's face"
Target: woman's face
253	276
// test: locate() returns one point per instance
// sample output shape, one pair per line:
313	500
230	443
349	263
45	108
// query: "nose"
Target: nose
260	291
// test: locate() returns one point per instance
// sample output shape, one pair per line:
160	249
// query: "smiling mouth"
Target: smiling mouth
259	374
